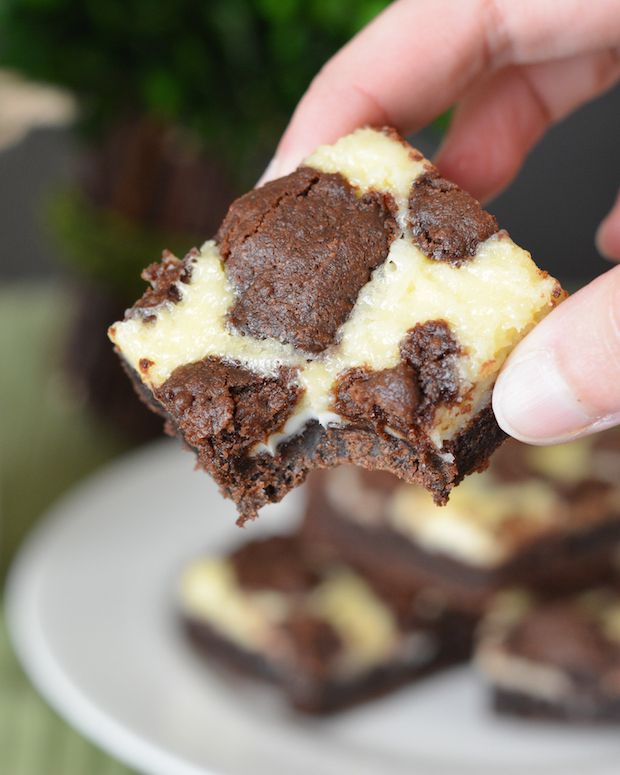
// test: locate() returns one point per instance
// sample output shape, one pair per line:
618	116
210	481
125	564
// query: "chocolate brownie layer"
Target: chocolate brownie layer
334	696
546	518
557	659
514	703
386	296
327	635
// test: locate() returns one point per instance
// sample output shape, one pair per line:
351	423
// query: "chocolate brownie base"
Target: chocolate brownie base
323	698
587	710
254	480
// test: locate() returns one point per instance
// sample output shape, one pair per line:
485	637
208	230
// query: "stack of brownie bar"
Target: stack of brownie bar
544	517
327	634
380	586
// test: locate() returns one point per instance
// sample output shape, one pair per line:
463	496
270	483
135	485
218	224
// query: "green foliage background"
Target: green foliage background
232	70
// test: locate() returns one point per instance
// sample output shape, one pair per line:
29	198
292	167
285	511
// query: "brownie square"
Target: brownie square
355	311
547	518
326	635
557	660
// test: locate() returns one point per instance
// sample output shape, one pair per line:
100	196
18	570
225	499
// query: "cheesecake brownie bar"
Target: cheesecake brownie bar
357	310
327	635
546	517
557	660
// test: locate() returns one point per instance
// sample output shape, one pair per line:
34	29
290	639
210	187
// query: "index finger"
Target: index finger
419	56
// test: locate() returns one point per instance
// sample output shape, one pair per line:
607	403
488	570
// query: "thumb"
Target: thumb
563	379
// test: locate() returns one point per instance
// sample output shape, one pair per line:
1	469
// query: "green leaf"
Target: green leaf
106	247
162	93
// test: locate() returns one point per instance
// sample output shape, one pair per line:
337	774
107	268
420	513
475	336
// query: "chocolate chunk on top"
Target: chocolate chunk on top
390	397
563	634
431	350
298	251
163	277
446	222
276	563
406	395
226	407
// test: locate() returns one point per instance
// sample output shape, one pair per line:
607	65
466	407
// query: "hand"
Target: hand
512	69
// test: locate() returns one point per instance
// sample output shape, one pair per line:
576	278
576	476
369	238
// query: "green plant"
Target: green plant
105	246
231	70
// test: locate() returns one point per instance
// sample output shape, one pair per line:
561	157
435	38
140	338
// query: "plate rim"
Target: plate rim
22	596
42	669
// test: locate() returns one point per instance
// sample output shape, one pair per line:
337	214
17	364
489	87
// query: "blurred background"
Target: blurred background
129	127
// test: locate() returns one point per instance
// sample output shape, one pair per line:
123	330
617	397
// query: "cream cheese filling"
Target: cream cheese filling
209	592
523	676
489	303
567	463
366	627
470	526
372	160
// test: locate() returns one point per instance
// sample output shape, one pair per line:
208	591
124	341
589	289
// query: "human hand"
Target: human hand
512	69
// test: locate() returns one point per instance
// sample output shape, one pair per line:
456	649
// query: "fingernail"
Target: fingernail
599	241
271	171
605	238
534	403
599	238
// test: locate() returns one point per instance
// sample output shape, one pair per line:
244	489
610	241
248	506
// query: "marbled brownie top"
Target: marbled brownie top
362	287
551	650
271	597
526	495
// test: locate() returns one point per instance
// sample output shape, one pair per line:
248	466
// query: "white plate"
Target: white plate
91	611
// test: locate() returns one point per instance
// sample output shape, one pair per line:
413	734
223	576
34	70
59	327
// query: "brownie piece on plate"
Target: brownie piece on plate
357	310
328	636
544	517
557	659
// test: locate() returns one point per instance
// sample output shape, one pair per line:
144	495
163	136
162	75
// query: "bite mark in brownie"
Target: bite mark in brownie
298	250
447	223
